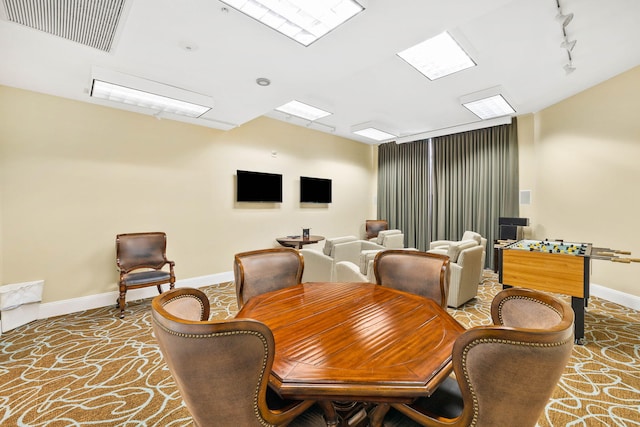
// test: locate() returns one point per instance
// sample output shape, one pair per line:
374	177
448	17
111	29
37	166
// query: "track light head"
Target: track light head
565	19
569	45
569	68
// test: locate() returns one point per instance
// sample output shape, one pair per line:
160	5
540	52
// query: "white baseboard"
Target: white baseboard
58	308
73	305
627	300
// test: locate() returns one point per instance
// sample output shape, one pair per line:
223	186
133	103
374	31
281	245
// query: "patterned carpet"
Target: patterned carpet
93	369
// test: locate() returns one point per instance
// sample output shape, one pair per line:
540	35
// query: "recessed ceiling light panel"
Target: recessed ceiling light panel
139	98
437	57
491	107
304	21
305	111
374	130
375	134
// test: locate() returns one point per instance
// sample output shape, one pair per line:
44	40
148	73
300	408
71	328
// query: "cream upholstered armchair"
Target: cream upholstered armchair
320	266
467	235
465	259
390	239
347	271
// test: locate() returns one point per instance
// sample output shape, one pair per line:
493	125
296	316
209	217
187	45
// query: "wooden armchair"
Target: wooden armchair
374	226
264	270
505	373
140	259
222	368
420	273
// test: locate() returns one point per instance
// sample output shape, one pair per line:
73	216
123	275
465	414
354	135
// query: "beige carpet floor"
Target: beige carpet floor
93	369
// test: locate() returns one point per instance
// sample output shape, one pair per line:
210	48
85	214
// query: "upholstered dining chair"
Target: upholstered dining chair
505	373
141	259
420	273
221	368
264	270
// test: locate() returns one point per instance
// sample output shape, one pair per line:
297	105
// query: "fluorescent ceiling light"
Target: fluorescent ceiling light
305	111
437	57
305	21
126	95
375	134
488	108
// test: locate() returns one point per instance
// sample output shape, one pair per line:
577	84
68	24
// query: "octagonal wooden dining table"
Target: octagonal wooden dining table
355	342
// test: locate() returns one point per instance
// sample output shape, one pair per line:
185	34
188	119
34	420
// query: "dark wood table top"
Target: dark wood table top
355	341
298	241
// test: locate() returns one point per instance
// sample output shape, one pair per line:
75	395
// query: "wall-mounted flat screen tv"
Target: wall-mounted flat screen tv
315	190
258	187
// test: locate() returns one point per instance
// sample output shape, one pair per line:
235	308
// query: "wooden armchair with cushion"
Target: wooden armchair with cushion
374	226
504	374
420	273
264	270
222	368
140	259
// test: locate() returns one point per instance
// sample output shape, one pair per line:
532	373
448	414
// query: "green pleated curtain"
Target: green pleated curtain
438	188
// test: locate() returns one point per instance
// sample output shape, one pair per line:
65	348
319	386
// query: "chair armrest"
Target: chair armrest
367	246
347	271
439	243
318	267
440	250
393	241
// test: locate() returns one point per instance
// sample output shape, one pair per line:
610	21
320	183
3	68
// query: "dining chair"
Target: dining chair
505	373
221	368
264	270
141	259
418	272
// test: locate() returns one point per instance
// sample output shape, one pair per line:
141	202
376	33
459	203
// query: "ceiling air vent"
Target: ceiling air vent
91	23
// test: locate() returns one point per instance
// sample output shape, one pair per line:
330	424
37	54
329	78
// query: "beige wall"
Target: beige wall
73	175
581	159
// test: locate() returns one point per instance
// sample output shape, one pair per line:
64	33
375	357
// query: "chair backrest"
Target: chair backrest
417	272
392	239
472	235
508	373
374	226
330	243
526	308
221	368
141	250
265	270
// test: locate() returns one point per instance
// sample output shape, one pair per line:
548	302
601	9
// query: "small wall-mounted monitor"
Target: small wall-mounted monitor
315	190
258	187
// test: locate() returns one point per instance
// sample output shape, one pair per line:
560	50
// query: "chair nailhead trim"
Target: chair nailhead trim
529	299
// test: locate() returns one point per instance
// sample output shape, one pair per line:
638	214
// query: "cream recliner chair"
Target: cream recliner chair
347	271
320	266
467	235
390	239
466	264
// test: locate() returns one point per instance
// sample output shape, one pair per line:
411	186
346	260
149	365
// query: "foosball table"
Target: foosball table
555	266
